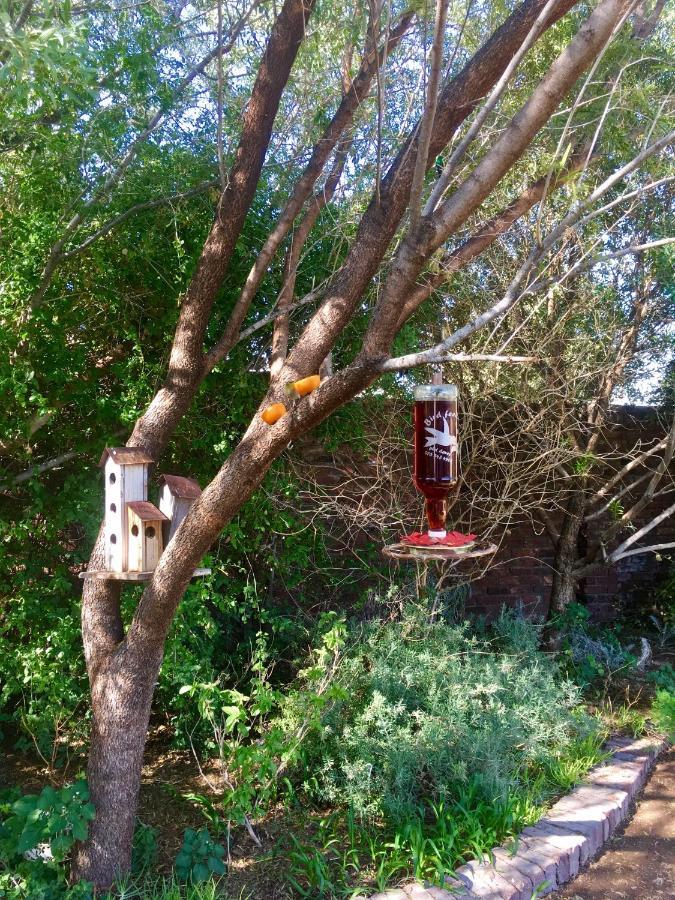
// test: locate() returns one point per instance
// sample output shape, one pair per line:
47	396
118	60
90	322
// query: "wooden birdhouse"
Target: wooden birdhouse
176	496
144	535
126	479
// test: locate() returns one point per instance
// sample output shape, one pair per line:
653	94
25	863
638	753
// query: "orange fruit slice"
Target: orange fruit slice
273	413
304	386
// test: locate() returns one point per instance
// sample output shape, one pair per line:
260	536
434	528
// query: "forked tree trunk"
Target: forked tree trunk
123	668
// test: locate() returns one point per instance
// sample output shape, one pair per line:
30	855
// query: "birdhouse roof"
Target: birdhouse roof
125	456
184	488
146	511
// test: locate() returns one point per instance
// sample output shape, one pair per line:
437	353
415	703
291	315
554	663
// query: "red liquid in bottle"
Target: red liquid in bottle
435	459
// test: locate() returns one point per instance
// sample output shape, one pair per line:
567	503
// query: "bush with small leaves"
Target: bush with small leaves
200	857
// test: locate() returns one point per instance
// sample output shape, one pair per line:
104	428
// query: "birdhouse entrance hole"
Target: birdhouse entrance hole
134	530
150	532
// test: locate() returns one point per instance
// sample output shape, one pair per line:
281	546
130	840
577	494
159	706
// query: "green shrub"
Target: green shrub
144	848
200	857
58	818
37	833
431	706
663	712
663	677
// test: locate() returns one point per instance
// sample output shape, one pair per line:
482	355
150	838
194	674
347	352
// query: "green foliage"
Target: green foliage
663	677
430	706
37	833
144	848
663	712
158	888
258	735
446	745
55	817
592	654
200	857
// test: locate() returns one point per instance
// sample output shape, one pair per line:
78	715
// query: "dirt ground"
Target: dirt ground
638	863
170	777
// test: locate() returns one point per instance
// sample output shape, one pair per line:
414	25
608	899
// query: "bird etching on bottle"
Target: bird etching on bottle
437	438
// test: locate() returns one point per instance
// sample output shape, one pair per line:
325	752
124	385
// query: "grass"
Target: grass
345	856
157	888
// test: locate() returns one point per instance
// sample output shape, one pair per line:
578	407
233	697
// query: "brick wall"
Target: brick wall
521	573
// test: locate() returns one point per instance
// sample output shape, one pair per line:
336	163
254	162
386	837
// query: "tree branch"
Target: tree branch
56	253
427	124
139	207
355	95
619	551
515	290
186	362
380	222
512	143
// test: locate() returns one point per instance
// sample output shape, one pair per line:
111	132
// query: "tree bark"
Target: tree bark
112	673
564	586
458	98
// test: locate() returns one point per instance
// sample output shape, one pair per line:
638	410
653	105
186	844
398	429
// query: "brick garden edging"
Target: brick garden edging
571	832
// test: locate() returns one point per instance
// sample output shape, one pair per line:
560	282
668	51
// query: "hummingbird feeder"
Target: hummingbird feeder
435	474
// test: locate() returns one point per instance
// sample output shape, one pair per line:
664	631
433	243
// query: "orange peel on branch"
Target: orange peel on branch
303	386
273	413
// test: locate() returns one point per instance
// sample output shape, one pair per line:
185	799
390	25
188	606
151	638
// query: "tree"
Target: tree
358	325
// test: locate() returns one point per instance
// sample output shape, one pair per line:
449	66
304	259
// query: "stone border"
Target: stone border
553	850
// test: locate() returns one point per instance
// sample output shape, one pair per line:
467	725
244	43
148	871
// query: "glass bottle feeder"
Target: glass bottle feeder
435	459
435	474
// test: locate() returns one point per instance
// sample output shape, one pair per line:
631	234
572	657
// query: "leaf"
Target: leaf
80	829
30	838
217	866
200	872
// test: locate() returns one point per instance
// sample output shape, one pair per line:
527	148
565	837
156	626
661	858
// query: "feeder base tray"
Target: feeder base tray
101	575
423	553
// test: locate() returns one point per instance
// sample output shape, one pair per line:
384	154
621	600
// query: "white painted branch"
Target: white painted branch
654	548
619	551
391	365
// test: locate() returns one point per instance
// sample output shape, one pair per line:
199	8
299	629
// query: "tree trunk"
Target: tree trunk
564	587
123	668
121	701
